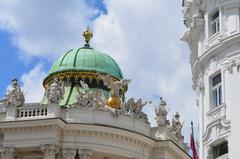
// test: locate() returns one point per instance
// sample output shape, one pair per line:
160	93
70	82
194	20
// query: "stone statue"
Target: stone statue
87	98
135	107
161	113
55	92
186	11
177	126
14	96
114	86
82	98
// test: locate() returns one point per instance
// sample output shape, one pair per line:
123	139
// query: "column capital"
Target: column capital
85	153
50	150
8	152
69	153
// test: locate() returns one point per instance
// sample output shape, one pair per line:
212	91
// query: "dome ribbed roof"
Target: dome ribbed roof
86	59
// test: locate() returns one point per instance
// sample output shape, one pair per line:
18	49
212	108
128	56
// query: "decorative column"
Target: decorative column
69	153
85	153
8	152
50	151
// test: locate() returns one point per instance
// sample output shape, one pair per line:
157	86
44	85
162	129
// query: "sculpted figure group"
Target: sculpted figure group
161	118
95	99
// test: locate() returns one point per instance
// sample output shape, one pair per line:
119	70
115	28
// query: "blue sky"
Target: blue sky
142	36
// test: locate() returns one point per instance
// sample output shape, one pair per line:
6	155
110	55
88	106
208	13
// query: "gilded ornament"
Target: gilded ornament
87	35
114	102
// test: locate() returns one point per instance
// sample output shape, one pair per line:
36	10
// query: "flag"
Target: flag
192	144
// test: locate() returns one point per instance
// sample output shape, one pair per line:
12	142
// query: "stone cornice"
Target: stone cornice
117	135
170	146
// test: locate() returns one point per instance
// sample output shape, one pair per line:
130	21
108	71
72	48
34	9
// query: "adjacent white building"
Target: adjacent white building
213	36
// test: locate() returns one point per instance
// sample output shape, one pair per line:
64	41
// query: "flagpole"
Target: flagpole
192	129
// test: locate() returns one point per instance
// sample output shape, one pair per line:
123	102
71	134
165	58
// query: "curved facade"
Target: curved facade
213	36
72	133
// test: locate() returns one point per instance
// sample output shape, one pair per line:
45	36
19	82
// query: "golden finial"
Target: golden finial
87	35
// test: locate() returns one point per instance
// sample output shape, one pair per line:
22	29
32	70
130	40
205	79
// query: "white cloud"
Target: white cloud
45	28
32	84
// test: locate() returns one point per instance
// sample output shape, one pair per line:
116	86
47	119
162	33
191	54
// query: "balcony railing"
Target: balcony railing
31	111
216	113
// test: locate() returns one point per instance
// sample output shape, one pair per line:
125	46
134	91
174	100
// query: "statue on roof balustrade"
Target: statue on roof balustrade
177	126
55	91
15	95
134	109
161	113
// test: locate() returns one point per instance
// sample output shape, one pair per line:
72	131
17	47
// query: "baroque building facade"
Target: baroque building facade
84	114
213	36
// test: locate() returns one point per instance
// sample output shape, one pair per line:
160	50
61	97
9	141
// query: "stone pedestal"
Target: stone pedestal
49	151
11	113
8	152
53	110
161	132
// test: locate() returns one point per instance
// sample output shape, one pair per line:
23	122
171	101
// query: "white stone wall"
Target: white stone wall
210	55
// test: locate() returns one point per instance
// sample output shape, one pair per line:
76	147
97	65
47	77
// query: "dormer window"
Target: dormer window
215	23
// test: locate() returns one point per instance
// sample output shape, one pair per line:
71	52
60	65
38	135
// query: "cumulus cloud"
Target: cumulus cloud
45	28
32	84
143	37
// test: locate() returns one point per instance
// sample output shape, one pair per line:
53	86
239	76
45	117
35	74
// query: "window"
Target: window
215	23
220	149
217	90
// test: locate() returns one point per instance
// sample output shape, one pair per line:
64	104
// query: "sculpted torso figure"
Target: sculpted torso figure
55	92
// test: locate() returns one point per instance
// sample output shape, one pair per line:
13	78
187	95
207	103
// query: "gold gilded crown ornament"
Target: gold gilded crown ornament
87	35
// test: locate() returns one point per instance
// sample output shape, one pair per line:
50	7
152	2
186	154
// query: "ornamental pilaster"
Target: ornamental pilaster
69	153
49	150
85	153
8	152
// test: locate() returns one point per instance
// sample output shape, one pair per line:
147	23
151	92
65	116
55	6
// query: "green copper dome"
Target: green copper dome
86	59
83	64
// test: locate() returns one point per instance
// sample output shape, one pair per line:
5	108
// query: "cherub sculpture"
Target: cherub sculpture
161	113
14	96
55	92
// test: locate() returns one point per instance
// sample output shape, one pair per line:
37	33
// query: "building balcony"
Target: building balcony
216	113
